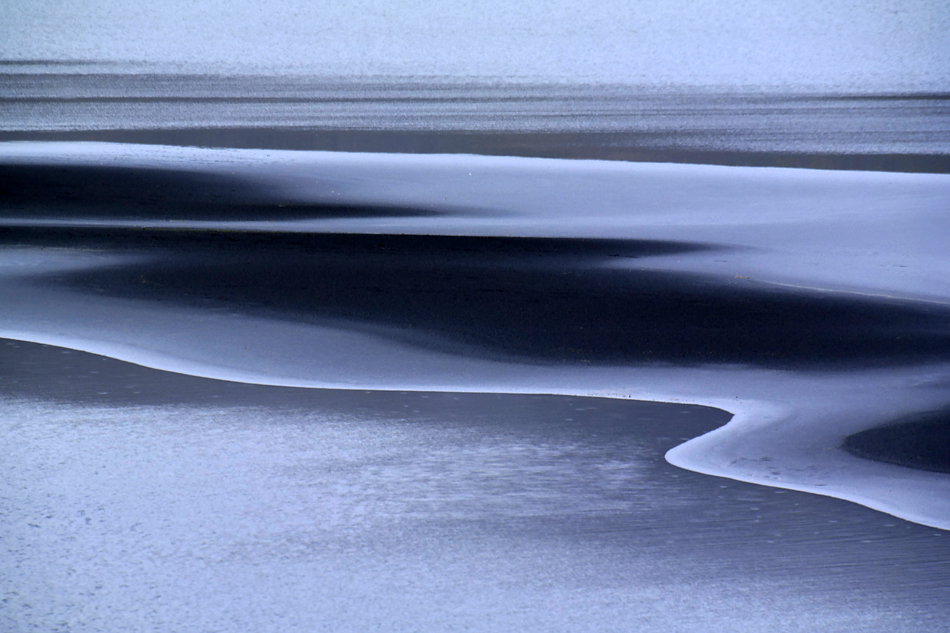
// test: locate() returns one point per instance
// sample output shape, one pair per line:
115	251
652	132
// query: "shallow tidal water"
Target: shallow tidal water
160	501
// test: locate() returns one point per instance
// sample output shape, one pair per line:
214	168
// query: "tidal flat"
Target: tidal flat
251	383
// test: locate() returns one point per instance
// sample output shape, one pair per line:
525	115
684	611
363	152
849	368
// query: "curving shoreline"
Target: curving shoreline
122	479
442	375
680	283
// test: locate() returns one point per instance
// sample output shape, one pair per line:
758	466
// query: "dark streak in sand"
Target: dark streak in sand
89	191
921	441
539	300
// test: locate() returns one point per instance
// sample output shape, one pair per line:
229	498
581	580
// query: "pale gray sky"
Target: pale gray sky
851	44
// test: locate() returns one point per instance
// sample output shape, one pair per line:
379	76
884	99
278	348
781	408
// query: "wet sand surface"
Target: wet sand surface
210	504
